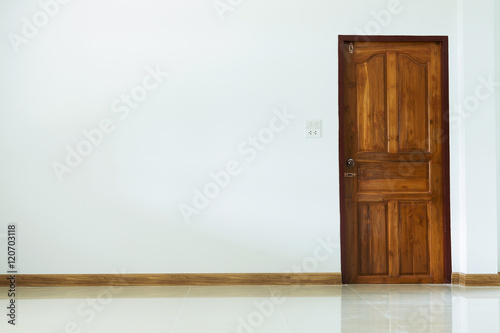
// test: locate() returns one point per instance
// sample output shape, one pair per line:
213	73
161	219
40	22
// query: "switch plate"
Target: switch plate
313	128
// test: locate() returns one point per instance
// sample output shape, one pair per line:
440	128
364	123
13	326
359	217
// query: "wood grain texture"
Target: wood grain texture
392	102
407	175
477	280
413	104
371	101
365	51
393	177
394	241
444	132
66	280
414	238
373	240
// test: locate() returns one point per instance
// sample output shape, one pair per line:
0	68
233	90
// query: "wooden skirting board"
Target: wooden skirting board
227	279
469	280
72	280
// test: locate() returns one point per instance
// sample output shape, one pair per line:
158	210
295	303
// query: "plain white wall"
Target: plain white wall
119	209
497	104
457	153
478	106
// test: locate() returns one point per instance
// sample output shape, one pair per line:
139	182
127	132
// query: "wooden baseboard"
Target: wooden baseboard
227	279
71	280
469	280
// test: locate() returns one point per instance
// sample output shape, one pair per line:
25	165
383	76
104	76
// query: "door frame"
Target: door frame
443	40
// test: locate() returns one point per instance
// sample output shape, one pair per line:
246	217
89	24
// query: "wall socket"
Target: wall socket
313	128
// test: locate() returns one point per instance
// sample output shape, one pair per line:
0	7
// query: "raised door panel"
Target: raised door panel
414	238
393	177
413	104
371	104
372	238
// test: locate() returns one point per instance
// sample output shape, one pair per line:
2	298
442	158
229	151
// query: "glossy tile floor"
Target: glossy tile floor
255	309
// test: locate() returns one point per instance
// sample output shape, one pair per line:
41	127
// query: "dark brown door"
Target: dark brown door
393	216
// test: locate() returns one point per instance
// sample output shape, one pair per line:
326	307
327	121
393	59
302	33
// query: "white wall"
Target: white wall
479	139
119	209
497	99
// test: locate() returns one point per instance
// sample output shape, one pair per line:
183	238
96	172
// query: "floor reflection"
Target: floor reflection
249	309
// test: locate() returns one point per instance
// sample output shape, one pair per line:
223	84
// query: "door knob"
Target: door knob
350	163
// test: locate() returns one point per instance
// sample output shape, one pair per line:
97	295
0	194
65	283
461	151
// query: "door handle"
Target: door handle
350	163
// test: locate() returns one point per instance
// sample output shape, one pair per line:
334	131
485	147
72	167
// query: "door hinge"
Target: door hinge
351	48
349	174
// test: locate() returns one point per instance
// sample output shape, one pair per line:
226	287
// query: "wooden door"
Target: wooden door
393	180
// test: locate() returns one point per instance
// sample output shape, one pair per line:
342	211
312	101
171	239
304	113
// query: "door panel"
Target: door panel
371	90
413	106
373	240
393	177
414	238
393	195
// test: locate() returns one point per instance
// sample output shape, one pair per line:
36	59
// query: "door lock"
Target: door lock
349	174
